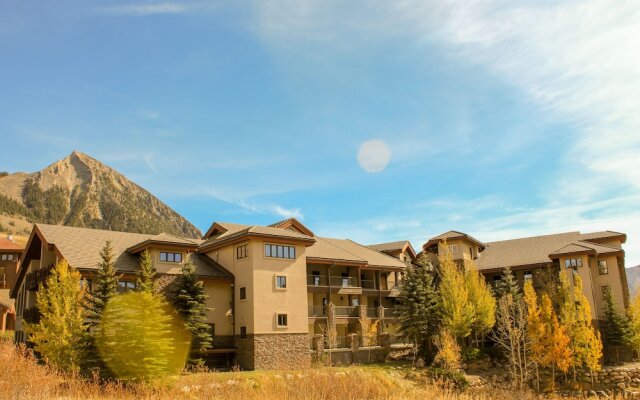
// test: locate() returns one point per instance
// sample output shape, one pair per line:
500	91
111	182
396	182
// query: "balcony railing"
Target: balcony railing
336	281
368	284
347	311
317	311
390	313
372	312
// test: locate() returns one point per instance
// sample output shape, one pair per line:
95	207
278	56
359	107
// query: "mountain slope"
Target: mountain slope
81	191
633	279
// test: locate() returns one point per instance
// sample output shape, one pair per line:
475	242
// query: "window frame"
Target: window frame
242	251
278	280
278	251
453	248
605	270
170	257
575	262
285	320
243	293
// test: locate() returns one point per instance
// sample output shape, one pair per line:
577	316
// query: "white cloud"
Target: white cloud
374	155
145	9
288	213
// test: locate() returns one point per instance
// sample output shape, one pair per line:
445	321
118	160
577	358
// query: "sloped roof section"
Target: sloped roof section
328	249
81	248
603	235
371	257
390	246
524	251
237	231
585	247
293	223
6	244
452	235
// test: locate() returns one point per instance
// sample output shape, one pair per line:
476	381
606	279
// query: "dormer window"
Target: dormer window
170	257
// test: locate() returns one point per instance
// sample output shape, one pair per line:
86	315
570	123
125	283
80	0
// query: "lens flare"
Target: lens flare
141	337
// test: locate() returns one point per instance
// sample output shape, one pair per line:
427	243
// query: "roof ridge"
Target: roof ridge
377	252
345	250
532	237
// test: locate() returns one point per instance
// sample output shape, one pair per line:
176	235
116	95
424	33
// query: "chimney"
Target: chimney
10	237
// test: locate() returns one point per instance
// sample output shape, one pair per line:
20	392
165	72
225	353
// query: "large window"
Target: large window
170	257
243	293
279	251
125	286
603	269
281	282
573	262
282	321
242	251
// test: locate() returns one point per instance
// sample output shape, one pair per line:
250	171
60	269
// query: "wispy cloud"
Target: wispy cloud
289	213
146	9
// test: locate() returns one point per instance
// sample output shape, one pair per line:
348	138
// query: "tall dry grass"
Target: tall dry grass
21	377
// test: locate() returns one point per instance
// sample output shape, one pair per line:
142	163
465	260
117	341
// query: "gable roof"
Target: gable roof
541	249
292	223
345	250
603	235
452	235
391	247
165	239
233	232
9	245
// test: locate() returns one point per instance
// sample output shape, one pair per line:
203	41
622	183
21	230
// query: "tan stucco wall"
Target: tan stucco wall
219	304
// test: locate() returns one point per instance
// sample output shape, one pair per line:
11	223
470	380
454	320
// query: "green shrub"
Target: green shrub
454	378
471	354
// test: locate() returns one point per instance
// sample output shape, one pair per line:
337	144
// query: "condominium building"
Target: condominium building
597	257
10	252
270	287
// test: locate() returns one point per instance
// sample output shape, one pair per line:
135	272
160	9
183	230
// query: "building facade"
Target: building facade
597	257
10	253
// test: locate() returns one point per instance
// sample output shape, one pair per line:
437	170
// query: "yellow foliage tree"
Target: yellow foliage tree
481	300
535	328
60	334
633	334
555	341
456	310
448	356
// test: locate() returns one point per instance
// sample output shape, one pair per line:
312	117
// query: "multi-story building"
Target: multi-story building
598	258
270	287
10	252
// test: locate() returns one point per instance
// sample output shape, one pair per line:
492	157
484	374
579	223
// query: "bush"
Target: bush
454	378
471	354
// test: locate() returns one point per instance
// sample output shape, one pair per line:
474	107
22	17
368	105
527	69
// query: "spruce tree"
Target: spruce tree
508	285
189	300
418	307
60	335
614	331
145	277
105	285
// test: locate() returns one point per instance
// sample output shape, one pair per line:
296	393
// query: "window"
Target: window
316	278
603	269
279	251
282	320
453	248
528	276
170	257
125	286
603	291
281	282
355	302
241	252
573	262
243	293
6	257
243	332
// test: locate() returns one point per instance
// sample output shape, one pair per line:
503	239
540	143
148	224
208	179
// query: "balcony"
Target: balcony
369	284
317	311
336	281
34	278
347	312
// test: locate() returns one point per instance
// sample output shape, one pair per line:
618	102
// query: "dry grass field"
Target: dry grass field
22	378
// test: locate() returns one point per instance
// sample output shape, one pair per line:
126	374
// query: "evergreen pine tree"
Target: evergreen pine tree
614	331
60	335
508	285
189	300
105	285
145	277
418	307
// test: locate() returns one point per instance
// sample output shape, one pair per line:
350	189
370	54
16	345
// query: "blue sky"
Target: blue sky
496	119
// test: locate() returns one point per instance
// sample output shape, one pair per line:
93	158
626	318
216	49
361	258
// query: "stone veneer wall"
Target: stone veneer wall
274	351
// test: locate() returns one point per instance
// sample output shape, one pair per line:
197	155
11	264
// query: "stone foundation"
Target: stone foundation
274	351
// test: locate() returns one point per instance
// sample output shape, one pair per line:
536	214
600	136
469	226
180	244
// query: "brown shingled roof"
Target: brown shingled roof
390	246
452	235
6	244
237	231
